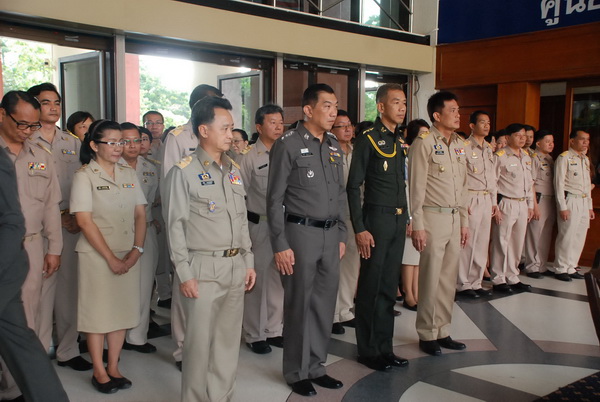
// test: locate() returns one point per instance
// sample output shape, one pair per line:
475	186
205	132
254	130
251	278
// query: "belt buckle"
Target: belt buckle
328	224
583	195
399	211
232	252
454	210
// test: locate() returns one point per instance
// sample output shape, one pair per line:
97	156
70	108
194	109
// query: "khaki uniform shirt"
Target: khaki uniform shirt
111	203
481	175
39	193
206	210
437	172
254	167
65	153
514	174
543	173
147	175
179	143
307	180
572	174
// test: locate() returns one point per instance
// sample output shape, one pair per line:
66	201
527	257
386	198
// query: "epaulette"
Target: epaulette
368	130
125	165
288	134
154	161
234	163
564	153
501	152
424	135
247	149
82	167
184	162
177	130
331	135
71	134
43	147
532	154
467	142
527	152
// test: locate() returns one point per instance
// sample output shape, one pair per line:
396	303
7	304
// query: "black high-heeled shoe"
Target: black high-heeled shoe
409	307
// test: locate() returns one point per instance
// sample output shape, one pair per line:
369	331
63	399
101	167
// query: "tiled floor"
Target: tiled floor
519	348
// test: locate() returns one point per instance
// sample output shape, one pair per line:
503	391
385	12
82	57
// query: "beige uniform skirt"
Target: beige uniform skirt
107	302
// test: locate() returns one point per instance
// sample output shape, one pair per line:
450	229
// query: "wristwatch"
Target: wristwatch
140	249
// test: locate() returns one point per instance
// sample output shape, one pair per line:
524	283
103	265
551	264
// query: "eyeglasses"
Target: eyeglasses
112	143
145	139
25	126
135	141
237	141
154	123
343	126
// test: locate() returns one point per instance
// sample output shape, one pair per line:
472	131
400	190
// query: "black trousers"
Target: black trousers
378	283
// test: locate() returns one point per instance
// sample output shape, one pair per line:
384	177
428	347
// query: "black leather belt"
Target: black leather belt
254	218
386	210
301	220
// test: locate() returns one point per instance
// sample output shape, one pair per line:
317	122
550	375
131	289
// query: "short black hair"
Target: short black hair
259	117
311	94
202	91
130	126
343	113
76	118
514	128
95	133
383	90
11	98
500	133
412	129
476	114
36	90
243	133
203	111
527	127
149	112
362	126
144	130
574	132
437	101
540	134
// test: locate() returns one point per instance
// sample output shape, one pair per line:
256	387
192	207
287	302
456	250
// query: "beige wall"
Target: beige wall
202	24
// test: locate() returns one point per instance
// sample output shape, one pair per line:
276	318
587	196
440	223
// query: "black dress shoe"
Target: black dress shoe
164	303
374	363
483	292
394	360
179	365
563	277
449	343
350	323
408	306
535	275
548	273
276	341
304	388
576	275
77	363
259	347
521	287
502	288
145	348
337	329
122	382
468	294
397	313
153	326
109	387
326	381
430	347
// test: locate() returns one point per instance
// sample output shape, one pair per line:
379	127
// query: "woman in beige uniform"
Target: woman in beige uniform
108	203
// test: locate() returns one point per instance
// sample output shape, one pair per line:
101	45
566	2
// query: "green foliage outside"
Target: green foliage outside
155	96
23	64
370	105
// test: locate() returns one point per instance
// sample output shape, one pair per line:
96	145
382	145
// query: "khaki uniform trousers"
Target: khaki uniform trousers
214	325
263	305
539	236
65	301
164	266
507	242
148	261
438	270
571	235
178	319
473	258
349	270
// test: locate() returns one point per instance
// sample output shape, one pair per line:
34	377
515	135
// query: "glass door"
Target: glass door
82	83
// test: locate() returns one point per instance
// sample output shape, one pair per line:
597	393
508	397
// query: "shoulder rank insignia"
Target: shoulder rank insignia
467	142
184	162
177	130
153	161
124	165
564	153
43	147
501	152
247	149
71	134
424	134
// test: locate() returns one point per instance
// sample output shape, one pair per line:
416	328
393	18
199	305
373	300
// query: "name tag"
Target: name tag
103	188
263	166
305	152
207	183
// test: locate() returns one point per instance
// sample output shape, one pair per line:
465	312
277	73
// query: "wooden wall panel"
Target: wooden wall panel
518	102
472	99
562	53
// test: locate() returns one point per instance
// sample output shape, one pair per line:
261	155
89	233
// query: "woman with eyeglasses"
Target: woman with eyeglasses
109	206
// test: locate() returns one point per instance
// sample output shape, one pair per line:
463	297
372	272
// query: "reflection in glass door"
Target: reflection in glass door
244	91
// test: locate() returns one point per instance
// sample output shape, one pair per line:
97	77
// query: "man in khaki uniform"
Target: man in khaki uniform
64	148
147	174
263	310
481	180
179	143
39	194
210	248
438	201
539	230
574	197
515	209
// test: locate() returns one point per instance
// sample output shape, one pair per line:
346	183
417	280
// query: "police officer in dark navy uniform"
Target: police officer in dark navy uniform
306	204
378	161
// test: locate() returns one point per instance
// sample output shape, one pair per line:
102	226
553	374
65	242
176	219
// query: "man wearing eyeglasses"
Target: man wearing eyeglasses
481	179
39	194
379	161
155	123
